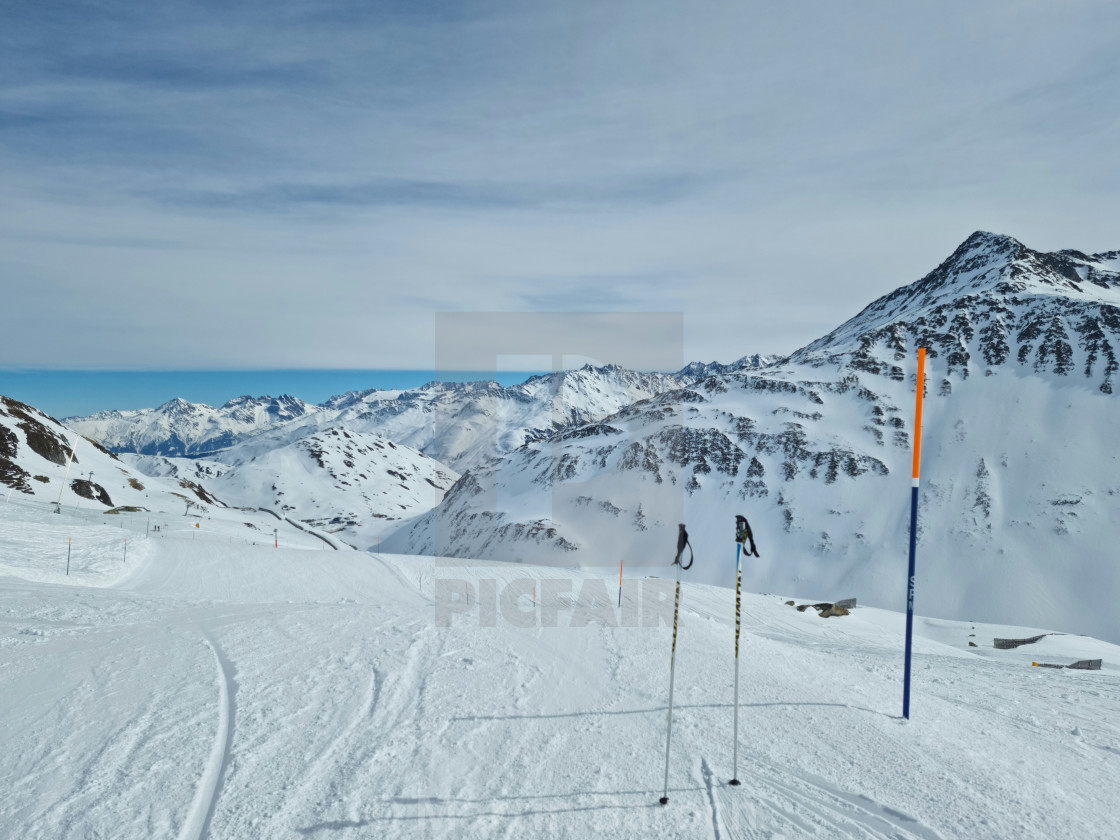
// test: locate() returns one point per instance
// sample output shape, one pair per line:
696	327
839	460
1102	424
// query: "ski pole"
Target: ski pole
742	535
672	674
738	604
682	541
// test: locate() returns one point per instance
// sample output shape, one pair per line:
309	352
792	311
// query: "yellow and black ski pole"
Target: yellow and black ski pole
742	534
682	541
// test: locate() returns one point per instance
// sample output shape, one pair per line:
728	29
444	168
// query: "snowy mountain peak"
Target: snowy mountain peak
179	427
180	405
284	407
695	371
992	300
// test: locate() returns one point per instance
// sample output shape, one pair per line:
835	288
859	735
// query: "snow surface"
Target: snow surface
209	688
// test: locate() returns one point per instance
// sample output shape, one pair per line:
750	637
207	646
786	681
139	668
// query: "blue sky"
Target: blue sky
283	185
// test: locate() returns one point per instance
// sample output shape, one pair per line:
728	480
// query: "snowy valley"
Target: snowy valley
192	647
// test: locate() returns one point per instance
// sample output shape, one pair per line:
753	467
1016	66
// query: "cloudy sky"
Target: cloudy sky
307	183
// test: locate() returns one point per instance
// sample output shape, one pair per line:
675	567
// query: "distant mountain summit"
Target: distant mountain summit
992	300
182	428
699	370
284	407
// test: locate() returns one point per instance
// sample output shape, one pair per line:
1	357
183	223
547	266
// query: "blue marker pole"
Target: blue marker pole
913	531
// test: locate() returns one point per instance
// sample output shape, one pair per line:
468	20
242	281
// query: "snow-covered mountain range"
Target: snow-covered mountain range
1021	482
466	424
362	462
598	465
355	485
457	423
48	467
179	427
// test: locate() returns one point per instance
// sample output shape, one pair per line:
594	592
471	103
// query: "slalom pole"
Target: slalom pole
738	606
682	541
672	673
913	531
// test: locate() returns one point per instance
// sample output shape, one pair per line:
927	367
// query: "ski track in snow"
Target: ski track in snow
806	806
197	824
357	716
708	785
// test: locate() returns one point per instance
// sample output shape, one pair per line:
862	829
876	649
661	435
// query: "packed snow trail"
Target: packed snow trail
220	692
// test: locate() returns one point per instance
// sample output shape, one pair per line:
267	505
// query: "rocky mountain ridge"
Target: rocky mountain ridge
182	428
456	423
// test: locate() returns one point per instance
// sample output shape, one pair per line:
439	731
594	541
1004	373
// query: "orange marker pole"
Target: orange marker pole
913	531
620	559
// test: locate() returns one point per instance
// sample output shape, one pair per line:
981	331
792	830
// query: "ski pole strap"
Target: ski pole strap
743	535
682	541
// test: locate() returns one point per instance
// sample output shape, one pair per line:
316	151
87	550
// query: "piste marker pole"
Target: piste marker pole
913	531
620	561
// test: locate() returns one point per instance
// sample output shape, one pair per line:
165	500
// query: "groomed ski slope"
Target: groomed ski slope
236	691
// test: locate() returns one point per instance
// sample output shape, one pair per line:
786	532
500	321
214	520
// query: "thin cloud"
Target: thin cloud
191	73
405	192
304	183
